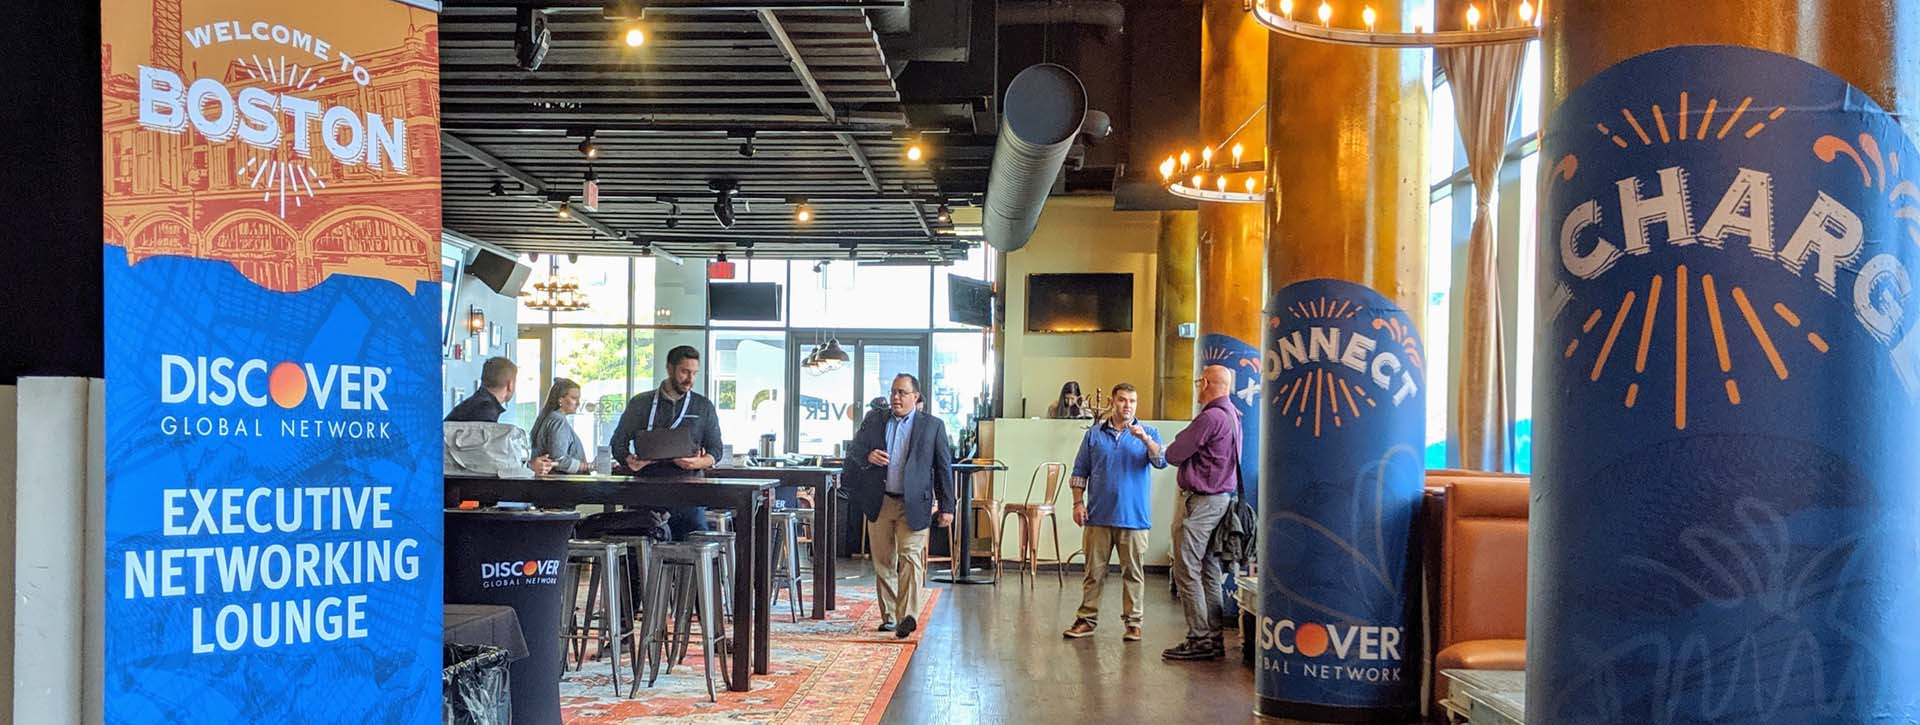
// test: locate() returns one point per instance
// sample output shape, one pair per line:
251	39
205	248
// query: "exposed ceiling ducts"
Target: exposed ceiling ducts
1045	110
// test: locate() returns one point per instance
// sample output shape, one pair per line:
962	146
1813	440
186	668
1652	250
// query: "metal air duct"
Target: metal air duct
1044	110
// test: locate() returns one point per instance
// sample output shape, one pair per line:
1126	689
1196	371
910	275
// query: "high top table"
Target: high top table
1487	697
825	483
749	499
961	571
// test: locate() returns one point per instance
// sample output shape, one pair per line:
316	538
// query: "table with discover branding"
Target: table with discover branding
748	499
825	483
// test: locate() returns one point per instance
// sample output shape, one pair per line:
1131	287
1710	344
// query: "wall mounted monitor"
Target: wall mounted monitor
969	301
743	301
1080	302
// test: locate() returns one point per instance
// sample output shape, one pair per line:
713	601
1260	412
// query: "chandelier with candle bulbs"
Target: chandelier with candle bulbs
1224	172
1498	23
554	294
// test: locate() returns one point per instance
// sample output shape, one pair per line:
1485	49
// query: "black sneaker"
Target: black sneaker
1190	650
886	626
906	628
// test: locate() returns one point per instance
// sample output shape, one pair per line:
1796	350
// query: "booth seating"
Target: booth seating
1482	564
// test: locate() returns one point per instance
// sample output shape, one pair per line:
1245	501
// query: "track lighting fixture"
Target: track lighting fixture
498	189
746	146
944	215
636	37
564	212
589	148
673	216
723	193
802	213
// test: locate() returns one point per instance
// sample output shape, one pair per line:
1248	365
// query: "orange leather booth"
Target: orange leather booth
1481	557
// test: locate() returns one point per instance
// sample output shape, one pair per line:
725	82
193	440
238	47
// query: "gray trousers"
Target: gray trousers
1196	573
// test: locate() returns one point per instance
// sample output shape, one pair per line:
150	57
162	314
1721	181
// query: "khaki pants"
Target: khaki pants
1100	541
899	561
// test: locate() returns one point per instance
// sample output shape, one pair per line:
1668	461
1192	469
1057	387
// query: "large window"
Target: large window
642	307
1450	222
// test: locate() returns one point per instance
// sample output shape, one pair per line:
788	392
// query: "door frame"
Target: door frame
802	339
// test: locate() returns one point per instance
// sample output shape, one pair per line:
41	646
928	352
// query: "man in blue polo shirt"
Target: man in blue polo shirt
1110	489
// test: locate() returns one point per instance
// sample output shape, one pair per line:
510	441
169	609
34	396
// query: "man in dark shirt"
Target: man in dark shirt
487	403
672	405
1208	454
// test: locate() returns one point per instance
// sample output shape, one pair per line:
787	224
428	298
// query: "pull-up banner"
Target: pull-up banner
1343	420
271	279
1726	490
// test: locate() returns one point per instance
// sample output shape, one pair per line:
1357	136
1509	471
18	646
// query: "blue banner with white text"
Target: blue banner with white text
1344	424
1726	486
273	465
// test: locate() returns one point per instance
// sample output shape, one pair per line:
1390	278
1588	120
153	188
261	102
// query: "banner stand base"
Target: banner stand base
1269	710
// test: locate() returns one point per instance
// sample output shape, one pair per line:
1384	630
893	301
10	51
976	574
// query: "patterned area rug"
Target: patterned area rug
837	670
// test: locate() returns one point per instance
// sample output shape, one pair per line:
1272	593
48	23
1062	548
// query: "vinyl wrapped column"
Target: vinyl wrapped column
1343	408
1174	358
1725	496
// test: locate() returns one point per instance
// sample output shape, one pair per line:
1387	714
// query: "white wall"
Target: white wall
463	376
1024	444
1081	234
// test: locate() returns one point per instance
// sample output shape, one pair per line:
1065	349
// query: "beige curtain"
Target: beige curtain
1485	81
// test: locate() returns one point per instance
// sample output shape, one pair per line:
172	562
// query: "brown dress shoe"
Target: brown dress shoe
1080	628
1133	633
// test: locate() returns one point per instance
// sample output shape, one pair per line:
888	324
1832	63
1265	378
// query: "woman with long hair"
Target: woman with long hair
1071	403
553	436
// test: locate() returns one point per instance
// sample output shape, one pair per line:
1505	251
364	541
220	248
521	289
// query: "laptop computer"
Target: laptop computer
664	444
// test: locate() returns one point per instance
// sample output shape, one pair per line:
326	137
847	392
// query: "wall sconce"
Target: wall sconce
476	320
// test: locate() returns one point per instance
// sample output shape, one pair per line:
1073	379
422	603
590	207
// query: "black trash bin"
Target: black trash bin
473	686
515	558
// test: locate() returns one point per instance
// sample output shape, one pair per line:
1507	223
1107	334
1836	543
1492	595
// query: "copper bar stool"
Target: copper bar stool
1032	513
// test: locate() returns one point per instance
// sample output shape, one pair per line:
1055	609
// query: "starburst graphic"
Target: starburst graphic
1318	396
1688	127
1756	325
1905	195
267	171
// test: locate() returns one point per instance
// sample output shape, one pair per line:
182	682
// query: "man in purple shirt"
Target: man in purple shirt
1208	454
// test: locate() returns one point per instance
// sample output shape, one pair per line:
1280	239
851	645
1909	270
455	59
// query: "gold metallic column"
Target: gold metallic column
1346	158
1233	78
1173	361
1854	39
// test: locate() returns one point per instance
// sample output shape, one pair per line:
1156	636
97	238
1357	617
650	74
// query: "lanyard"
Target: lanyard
654	409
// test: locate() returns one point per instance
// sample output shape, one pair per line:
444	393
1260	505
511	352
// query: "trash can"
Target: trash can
473	686
515	559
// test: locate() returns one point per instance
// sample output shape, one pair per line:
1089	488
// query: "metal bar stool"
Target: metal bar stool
603	561
1033	513
729	562
680	583
786	558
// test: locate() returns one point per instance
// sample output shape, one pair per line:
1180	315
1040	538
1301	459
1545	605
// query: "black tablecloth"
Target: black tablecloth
489	624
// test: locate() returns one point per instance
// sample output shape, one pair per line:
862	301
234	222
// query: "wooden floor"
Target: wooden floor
994	654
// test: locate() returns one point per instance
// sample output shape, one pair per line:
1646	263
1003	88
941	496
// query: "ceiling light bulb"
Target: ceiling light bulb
944	215
1197	179
803	213
588	148
914	152
636	37
1326	12
1526	11
564	212
1206	155
1186	159
1166	169
1473	17
1421	19
1222	184
1250	183
1367	16
1286	8
1237	150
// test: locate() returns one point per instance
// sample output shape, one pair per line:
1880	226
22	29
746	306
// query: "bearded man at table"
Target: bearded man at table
900	471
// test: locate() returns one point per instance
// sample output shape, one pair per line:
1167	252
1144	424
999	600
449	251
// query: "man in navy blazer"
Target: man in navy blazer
901	473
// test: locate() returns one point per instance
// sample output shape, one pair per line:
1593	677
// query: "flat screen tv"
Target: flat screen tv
1080	302
969	301
743	301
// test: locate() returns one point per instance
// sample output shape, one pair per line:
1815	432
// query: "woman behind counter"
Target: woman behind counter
553	436
1071	403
